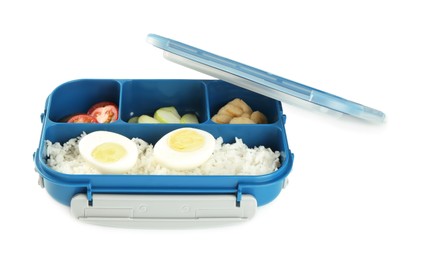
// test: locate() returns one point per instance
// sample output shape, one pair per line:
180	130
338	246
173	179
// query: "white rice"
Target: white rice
227	159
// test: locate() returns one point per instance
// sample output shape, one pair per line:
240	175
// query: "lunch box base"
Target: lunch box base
135	97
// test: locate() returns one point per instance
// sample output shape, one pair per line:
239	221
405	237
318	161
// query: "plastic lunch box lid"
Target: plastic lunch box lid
259	81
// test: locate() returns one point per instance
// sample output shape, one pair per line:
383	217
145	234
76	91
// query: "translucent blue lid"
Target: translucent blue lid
259	81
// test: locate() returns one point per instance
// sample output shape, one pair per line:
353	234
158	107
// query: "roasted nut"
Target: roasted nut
241	104
230	110
245	115
258	118
241	120
221	119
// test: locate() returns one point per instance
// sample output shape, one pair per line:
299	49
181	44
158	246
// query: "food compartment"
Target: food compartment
265	187
231	140
221	92
78	96
145	97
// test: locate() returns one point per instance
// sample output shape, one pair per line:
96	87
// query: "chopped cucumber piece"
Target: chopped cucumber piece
173	110
165	116
145	119
133	119
189	119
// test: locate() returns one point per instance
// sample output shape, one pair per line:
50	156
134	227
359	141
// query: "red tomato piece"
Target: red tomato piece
104	112
100	104
82	118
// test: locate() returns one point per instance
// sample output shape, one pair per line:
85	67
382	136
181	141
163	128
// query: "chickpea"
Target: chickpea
230	110
258	118
222	119
241	120
241	104
238	112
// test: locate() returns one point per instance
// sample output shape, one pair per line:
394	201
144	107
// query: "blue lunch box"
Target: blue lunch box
169	200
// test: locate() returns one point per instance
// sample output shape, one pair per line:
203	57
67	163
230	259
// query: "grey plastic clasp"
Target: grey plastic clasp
162	211
285	183
40	178
42	116
41	181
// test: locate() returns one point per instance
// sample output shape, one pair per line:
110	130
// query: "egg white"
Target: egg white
183	160
90	141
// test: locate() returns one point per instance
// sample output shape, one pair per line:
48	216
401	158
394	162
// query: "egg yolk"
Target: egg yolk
109	152
186	140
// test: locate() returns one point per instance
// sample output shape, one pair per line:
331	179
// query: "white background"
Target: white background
356	190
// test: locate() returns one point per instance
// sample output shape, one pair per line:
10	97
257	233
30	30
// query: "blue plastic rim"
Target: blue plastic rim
135	97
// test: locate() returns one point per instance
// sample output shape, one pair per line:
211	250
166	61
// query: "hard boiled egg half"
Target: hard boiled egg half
183	149
108	152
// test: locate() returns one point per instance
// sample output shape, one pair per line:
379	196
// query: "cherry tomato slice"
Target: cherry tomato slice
100	104
104	112
82	118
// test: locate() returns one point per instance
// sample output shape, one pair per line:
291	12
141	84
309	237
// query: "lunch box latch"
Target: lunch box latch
42	116
156	211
